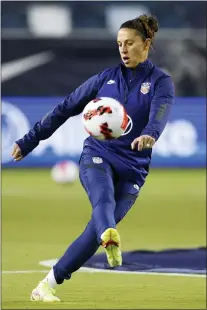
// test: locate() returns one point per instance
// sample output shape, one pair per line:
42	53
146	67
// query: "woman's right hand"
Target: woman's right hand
17	154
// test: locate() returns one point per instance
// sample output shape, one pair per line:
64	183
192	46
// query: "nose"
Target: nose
124	49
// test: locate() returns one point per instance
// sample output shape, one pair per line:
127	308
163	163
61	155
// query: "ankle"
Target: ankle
50	279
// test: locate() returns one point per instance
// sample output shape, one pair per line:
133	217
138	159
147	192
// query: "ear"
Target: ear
147	44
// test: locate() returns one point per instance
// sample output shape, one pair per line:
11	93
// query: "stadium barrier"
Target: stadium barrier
182	144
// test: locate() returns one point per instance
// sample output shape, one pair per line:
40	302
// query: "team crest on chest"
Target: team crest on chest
145	88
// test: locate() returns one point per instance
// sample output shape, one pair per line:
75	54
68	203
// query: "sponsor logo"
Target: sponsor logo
136	186
111	82
97	160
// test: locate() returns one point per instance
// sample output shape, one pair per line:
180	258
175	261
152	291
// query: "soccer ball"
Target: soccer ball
65	172
105	118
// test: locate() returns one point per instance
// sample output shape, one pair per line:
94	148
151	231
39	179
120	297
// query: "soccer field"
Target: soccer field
40	219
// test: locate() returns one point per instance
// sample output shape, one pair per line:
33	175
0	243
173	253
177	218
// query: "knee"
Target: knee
104	200
123	207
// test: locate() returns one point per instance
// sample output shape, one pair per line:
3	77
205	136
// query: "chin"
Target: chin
129	65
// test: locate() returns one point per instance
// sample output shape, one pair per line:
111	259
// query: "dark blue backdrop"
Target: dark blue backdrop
182	144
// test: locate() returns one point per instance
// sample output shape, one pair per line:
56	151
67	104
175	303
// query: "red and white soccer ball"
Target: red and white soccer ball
105	118
65	172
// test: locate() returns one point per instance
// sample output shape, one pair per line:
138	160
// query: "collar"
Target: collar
144	64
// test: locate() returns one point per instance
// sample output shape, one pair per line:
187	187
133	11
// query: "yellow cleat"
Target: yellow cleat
44	293
111	243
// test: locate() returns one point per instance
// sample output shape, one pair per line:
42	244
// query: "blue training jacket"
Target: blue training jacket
147	97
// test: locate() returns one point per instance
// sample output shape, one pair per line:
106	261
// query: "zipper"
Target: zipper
125	93
126	89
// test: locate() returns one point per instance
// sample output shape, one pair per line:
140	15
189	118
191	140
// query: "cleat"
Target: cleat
44	293
111	243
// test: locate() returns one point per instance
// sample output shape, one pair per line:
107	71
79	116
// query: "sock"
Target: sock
50	279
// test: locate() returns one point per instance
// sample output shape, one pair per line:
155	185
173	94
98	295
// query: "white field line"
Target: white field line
23	271
94	270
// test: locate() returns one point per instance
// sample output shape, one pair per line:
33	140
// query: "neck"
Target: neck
143	57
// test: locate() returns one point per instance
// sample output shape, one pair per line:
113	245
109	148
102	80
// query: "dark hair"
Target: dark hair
145	25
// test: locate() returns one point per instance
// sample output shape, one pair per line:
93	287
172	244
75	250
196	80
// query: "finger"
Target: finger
147	143
141	144
14	149
133	144
16	154
152	143
18	158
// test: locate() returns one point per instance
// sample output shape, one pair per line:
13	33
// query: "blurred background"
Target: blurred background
48	49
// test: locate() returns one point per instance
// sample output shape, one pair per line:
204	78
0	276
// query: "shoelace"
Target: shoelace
51	290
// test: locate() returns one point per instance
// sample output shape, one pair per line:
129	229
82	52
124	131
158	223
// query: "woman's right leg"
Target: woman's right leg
87	244
83	247
97	179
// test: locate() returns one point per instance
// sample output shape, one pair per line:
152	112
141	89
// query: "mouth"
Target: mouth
125	58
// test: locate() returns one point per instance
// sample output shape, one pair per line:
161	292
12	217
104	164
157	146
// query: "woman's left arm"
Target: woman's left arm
159	113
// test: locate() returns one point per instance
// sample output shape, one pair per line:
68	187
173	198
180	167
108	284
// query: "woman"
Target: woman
112	172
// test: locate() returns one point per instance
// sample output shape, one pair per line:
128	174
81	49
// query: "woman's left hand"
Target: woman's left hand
144	142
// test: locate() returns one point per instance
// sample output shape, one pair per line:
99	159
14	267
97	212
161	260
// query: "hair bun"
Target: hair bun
145	25
152	23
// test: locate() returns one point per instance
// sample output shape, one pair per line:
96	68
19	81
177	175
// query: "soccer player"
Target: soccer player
113	171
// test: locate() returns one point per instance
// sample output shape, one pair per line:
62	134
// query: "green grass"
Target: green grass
106	291
40	219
